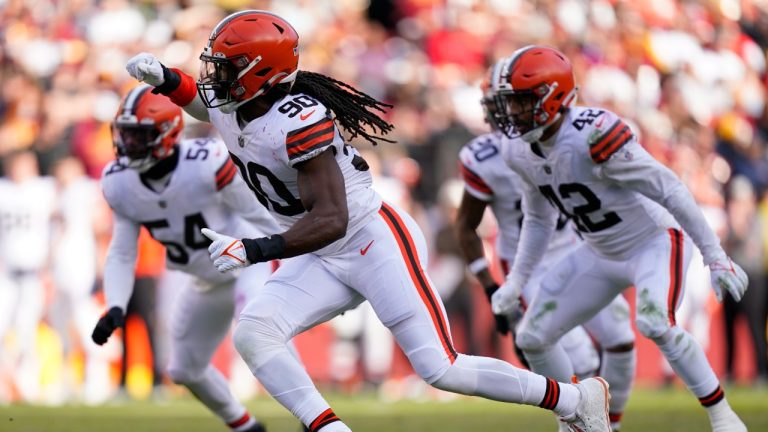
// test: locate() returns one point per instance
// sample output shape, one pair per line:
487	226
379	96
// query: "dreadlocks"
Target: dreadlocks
353	108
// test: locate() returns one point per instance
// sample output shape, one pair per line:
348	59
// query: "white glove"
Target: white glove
146	68
506	299
727	276
227	253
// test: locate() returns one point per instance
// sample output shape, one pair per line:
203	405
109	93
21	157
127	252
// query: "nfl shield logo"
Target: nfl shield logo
241	141
547	169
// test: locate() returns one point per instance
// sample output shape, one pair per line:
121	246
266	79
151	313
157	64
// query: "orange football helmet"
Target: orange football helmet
146	128
248	53
532	89
487	100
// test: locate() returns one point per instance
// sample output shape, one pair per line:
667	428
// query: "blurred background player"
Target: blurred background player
638	220
27	204
73	308
174	188
488	182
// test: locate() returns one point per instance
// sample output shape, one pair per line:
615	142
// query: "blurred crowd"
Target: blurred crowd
689	76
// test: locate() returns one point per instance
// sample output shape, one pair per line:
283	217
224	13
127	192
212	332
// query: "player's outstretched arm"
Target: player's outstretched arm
178	86
539	222
118	277
634	168
470	214
323	194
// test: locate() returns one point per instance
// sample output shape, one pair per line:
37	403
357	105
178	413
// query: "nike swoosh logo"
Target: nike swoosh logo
364	250
306	116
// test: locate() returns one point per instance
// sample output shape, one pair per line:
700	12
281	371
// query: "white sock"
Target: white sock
619	370
551	362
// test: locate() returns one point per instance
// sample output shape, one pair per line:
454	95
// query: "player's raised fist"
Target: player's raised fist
227	253
146	68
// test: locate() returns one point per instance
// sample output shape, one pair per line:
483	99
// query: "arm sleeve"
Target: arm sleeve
181	89
634	168
539	222
120	264
240	200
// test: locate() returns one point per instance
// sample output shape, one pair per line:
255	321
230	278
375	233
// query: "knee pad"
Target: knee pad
457	379
530	341
429	363
652	324
182	376
258	340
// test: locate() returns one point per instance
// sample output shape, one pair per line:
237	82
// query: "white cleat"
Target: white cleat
563	426
727	422
592	410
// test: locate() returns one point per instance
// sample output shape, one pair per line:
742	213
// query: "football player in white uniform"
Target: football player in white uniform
639	223
489	182
27	203
280	125
174	188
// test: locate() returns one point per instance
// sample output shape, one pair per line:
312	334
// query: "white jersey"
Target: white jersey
74	263
489	179
296	129
25	223
192	200
619	197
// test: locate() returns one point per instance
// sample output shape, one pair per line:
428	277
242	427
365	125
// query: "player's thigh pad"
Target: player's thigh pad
384	262
249	281
298	296
612	326
575	289
658	272
200	320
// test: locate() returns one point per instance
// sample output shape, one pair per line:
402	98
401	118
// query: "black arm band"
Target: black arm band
172	80
264	248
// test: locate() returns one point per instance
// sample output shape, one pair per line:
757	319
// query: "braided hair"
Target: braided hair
354	109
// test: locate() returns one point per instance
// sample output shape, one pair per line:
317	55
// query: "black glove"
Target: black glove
502	324
107	324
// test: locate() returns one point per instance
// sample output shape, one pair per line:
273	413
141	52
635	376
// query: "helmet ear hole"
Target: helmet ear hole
263	72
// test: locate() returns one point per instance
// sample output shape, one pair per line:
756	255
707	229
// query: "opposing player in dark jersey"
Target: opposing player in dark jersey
280	126
638	221
173	188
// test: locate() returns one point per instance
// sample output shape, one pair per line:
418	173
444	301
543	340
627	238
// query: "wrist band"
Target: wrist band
264	248
478	265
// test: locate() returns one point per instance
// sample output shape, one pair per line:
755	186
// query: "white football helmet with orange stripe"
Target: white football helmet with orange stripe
531	89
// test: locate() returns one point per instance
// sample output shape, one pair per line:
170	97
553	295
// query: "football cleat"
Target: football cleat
592	410
257	427
728	422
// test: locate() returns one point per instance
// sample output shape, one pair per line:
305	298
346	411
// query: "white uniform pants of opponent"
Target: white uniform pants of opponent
383	263
202	316
583	283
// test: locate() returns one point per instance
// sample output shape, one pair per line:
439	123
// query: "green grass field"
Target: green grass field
649	410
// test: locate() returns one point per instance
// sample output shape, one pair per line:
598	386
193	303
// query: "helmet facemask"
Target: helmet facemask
521	114
138	145
219	84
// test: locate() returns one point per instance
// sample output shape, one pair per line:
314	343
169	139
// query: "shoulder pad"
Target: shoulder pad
609	134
